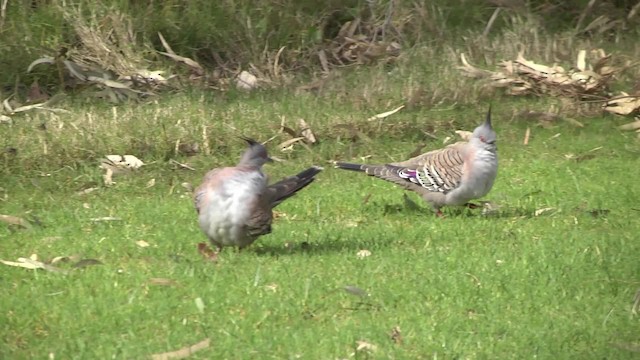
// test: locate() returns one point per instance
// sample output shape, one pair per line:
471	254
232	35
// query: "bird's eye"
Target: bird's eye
491	142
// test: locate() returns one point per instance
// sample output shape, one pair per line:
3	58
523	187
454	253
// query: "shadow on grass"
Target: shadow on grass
320	246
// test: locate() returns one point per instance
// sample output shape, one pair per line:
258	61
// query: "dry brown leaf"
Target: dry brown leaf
288	130
386	114
87	191
142	243
542	211
122	161
187	186
396	335
523	77
32	263
361	254
14	220
630	126
183	352
623	105
108	176
162	282
207	252
181	165
363	345
527	133
21	263
105	218
151	183
286	145
305	130
195	67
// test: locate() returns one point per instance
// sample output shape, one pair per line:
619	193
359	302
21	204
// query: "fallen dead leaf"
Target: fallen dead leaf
142	243
630	126
385	114
87	191
122	162
624	104
187	186
14	220
32	263
305	130
58	259
287	145
527	133
271	287
183	352
151	183
21	263
162	282
181	165
363	345
199	304
108	177
363	254
106	218
207	252
542	211
395	335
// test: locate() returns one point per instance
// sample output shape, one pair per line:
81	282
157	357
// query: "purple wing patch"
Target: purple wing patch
409	174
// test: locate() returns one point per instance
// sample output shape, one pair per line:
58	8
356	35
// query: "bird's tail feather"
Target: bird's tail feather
350	166
373	170
288	186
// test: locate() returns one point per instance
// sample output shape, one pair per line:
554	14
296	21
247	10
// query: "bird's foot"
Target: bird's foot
207	252
440	214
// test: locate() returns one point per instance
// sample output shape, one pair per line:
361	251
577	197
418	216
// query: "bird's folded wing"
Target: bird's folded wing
259	223
200	192
449	156
435	171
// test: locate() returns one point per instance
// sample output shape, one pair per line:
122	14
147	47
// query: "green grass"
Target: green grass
506	285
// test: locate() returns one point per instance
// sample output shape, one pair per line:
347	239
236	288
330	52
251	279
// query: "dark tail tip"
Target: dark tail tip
348	166
310	172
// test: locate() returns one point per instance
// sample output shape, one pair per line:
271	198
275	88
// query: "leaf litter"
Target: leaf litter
183	352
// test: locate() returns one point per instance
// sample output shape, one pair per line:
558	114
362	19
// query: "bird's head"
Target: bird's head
256	155
484	135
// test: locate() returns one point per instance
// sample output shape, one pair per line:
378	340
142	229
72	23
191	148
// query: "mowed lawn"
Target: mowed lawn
351	270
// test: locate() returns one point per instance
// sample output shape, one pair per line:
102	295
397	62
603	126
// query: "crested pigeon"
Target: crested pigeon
235	204
449	176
